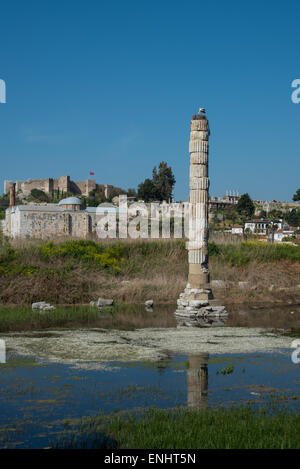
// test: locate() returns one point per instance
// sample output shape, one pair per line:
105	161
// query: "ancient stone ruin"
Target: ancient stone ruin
197	298
64	184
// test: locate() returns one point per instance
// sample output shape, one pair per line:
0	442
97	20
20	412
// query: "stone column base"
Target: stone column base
198	302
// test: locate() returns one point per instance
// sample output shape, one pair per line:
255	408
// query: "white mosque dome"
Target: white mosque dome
70	201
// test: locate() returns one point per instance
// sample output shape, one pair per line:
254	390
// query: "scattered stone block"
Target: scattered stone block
181	302
149	303
38	305
42	306
218	284
103	302
198	303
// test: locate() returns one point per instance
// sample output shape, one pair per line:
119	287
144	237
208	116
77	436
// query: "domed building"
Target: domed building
70	203
48	221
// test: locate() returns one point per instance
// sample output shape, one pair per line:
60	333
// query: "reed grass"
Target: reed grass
235	428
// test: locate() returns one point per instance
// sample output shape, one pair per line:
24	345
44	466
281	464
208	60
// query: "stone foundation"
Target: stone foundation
198	302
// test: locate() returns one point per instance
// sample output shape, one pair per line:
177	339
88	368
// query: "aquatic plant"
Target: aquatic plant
242	428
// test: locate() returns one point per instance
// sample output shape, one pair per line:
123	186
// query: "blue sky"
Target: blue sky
111	87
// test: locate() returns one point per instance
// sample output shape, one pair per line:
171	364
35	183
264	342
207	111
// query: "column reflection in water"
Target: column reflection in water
197	380
206	321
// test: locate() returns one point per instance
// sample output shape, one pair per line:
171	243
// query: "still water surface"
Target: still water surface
37	398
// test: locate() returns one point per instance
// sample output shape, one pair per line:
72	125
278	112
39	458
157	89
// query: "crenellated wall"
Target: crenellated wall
63	183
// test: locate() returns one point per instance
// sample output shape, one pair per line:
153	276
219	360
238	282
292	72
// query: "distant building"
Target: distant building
237	230
217	203
282	233
68	218
64	184
276	205
258	226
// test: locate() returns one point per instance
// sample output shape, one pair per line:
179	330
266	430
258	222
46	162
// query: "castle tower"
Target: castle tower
197	297
64	184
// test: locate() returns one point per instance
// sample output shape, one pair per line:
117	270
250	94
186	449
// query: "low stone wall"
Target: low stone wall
47	224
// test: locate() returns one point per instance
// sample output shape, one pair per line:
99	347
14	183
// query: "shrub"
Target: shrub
39	195
6	270
213	249
7	266
245	252
86	251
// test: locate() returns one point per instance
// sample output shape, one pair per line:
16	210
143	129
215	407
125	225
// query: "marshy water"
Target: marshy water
52	378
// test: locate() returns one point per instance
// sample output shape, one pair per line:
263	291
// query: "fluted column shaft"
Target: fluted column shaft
199	187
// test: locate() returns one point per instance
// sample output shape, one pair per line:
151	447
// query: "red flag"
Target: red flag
92	174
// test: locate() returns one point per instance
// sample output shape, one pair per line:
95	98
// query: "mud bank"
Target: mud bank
94	347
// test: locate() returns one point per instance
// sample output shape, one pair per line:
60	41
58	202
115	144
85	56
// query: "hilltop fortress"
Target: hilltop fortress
63	184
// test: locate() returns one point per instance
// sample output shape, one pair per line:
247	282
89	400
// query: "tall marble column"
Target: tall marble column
197	298
198	210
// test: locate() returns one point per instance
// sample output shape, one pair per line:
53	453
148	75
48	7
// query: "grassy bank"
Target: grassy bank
121	317
73	272
188	429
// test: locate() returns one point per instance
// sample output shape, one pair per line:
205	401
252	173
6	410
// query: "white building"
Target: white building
260	226
237	230
280	234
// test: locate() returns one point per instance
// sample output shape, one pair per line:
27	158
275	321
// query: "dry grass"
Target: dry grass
151	269
274	282
158	286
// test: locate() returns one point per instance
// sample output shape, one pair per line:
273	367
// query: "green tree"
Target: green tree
114	193
262	214
4	201
131	192
274	216
245	207
164	181
293	217
37	194
296	196
96	197
147	191
231	214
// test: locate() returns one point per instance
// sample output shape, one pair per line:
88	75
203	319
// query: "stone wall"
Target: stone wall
63	183
90	185
7	185
43	225
21	222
